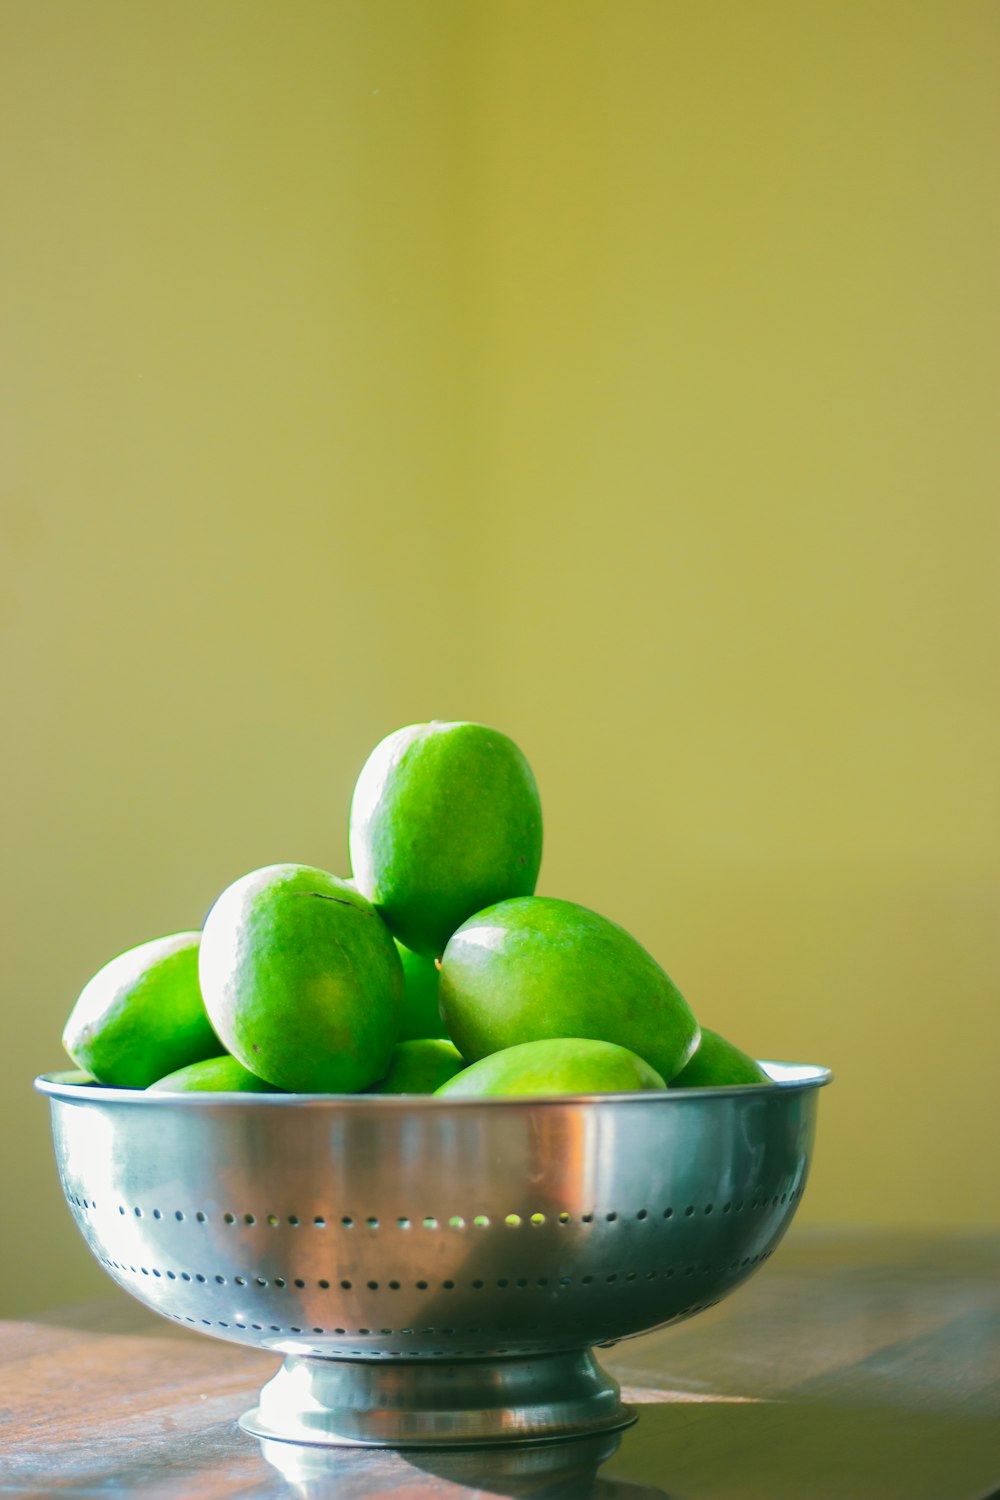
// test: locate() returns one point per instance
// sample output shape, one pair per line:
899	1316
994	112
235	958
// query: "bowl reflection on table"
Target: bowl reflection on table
565	1470
547	1469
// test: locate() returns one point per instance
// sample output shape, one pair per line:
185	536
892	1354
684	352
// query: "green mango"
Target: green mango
420	1066
717	1062
142	1015
421	1016
538	967
302	980
74	1076
445	819
214	1075
559	1065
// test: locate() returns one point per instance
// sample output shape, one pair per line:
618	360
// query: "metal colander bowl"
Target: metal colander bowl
435	1271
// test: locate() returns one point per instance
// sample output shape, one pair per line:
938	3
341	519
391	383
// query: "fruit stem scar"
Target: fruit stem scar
340	900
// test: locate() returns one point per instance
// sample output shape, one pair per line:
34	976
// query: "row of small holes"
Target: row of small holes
423	1286
385	1333
376	1353
480	1221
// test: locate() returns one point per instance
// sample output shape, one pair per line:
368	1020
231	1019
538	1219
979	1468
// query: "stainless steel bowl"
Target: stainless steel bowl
435	1271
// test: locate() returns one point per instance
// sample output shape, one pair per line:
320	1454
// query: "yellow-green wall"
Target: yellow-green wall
624	375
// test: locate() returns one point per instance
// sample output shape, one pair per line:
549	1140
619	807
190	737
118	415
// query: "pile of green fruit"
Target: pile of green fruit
433	969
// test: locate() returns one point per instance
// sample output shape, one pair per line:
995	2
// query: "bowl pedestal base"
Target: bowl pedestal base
438	1403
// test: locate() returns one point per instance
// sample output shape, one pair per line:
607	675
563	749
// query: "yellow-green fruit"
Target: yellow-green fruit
215	1075
717	1062
419	1067
445	820
72	1075
421	1016
142	1015
538	967
561	1065
302	980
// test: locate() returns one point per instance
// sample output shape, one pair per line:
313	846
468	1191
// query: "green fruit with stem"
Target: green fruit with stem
142	1015
445	819
420	1066
215	1075
537	967
302	980
717	1062
560	1065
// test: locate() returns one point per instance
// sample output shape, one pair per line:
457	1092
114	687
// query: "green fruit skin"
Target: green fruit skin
421	1015
445	819
540	967
420	1066
562	1065
142	1015
717	1062
72	1075
214	1075
302	980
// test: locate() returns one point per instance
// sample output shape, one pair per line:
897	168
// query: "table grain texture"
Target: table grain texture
854	1366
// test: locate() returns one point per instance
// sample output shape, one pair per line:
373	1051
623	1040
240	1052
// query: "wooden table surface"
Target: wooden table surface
854	1366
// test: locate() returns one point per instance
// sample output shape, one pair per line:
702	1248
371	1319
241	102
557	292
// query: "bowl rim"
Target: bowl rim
786	1077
